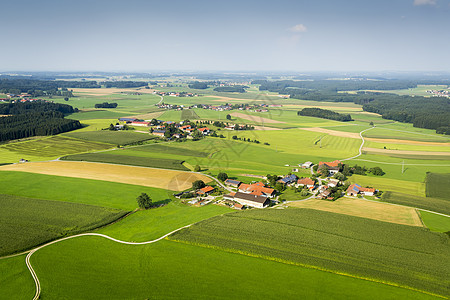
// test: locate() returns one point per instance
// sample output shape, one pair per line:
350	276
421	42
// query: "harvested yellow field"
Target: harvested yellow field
352	135
405	152
158	178
256	119
365	209
406	142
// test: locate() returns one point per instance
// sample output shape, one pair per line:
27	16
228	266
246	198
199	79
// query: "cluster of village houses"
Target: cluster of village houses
224	107
439	93
23	97
260	195
159	127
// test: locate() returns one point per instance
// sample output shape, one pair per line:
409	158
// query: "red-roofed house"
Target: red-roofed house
204	130
333	167
356	189
257	189
206	190
306	181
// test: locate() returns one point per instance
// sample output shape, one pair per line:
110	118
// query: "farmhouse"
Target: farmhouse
140	123
333	167
307	165
356	189
204	130
249	199
288	179
127	120
333	182
159	132
257	189
206	190
186	128
306	181
233	183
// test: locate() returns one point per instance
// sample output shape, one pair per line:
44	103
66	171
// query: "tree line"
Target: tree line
231	89
35	106
39	88
124	84
324	114
105	105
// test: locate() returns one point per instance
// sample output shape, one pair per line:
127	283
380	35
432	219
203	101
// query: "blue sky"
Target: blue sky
301	36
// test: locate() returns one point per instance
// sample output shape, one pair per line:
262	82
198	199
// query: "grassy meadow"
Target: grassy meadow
152	271
77	190
438	185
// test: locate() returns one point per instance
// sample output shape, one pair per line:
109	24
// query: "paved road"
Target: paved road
34	275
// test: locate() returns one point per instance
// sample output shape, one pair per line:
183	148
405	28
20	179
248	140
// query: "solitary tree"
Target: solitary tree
144	201
228	117
197	168
198	184
222	176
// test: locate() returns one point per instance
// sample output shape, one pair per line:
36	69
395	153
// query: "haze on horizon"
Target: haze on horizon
139	35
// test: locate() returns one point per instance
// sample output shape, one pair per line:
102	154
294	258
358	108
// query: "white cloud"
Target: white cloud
299	28
424	2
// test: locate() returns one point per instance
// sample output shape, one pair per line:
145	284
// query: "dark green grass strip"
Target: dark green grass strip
129	160
28	222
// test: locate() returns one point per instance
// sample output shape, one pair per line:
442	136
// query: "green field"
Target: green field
106	157
77	190
438	185
166	149
96	114
151	224
428	203
188	114
15	279
111	137
386	252
436	222
49	147
28	222
174	270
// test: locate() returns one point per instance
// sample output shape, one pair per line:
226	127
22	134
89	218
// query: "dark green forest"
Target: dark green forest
124	84
324	114
38	88
231	89
35	118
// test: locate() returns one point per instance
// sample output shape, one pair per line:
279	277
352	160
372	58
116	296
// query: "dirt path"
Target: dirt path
406	152
256	119
360	147
34	275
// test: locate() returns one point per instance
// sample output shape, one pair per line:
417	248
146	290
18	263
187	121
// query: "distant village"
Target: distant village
439	93
224	107
23	97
